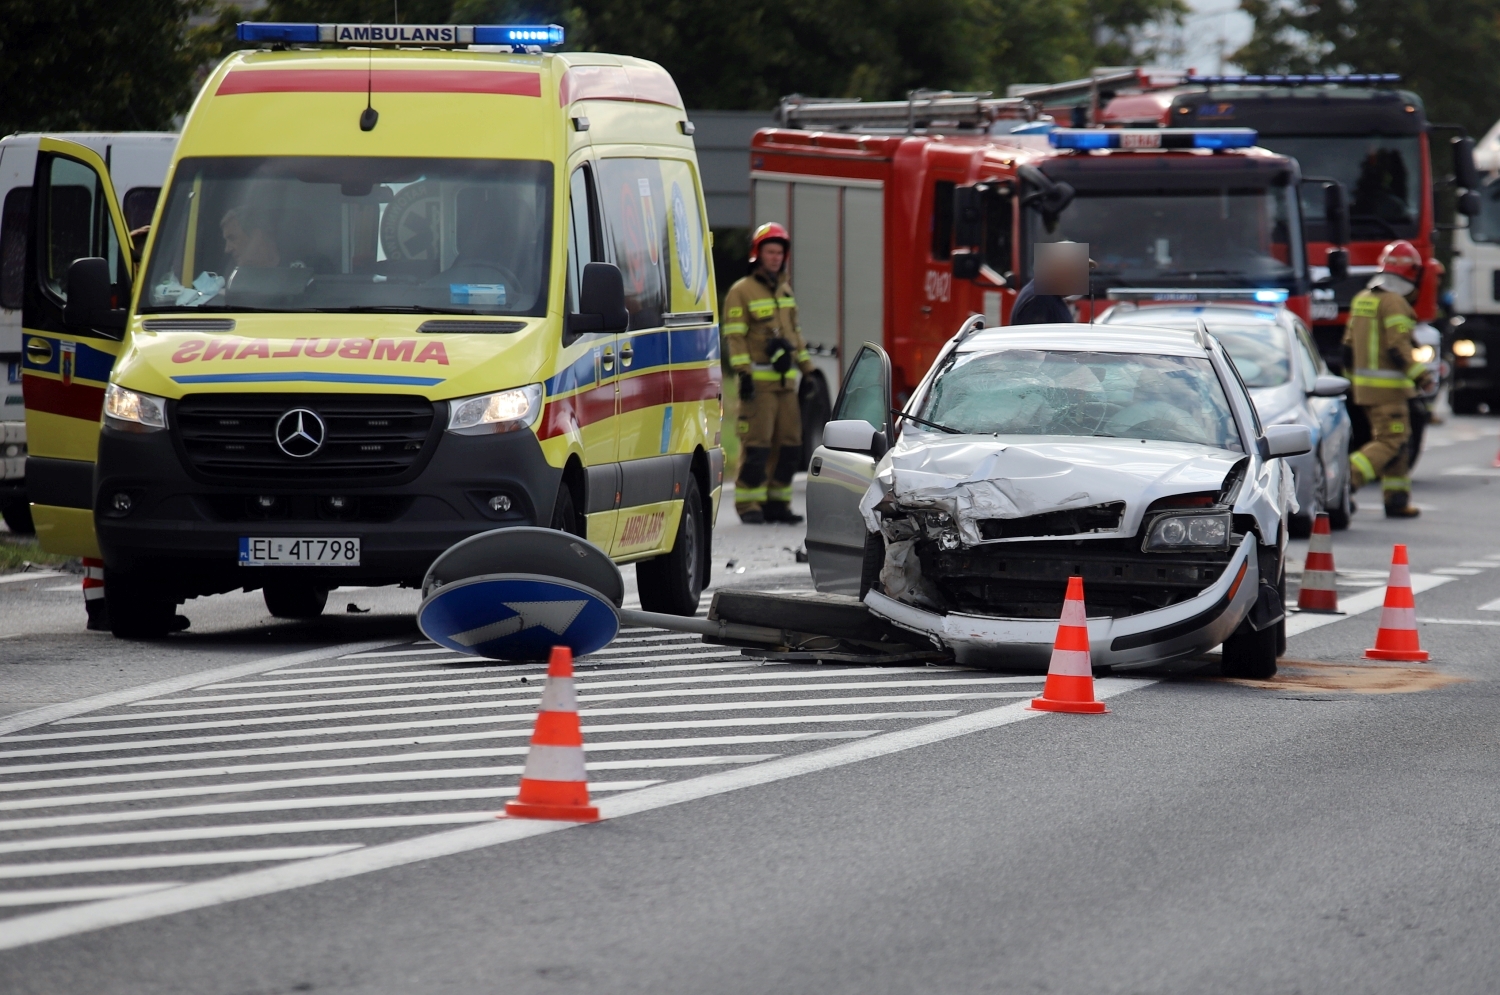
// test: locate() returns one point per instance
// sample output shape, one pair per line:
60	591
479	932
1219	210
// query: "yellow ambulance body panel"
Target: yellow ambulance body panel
377	333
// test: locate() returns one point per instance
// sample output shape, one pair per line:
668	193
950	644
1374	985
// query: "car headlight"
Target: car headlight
1185	531
1464	348
133	411
502	411
1422	354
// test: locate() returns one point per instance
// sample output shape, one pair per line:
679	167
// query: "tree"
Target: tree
68	65
1444	49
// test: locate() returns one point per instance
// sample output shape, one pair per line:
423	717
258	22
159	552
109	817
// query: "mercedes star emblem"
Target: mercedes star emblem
300	433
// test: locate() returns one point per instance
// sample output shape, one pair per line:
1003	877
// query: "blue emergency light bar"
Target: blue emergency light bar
1152	138
518	35
1298	79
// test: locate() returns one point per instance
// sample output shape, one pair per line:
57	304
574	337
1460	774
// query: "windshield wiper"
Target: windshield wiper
397	309
930	424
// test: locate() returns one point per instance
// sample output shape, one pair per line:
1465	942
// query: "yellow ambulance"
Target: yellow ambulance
405	284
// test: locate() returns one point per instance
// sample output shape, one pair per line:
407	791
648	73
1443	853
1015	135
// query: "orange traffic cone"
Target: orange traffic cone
1397	637
554	784
1318	593
1070	676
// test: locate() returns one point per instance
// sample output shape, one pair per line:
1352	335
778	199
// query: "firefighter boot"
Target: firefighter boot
780	511
1398	505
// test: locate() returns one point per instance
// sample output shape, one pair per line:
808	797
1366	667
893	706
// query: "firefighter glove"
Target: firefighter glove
781	355
747	386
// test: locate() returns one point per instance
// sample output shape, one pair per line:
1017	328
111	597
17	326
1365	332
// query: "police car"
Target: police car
394	295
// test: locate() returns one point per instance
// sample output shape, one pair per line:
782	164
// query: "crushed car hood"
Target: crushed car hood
971	478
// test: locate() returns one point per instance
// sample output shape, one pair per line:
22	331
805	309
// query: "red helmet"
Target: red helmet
768	232
1402	259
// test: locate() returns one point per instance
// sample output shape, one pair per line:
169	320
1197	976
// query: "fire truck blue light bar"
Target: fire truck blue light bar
1298	79
1152	138
521	35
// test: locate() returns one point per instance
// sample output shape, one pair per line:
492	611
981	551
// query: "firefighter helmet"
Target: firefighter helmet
1401	258
768	232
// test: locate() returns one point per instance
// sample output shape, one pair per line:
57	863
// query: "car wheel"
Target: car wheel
17	515
1465	402
565	517
869	569
295	600
138	609
1341	511
1252	655
673	584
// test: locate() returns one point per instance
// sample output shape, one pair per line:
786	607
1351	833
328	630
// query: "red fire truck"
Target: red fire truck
909	216
1358	129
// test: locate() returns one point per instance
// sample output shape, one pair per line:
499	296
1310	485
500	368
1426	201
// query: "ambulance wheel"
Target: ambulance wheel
1252	655
673	584
138	609
565	516
295	600
17	514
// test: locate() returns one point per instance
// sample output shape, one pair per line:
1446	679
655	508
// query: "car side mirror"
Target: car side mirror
1469	204
1329	386
854	435
1465	173
1336	210
1338	265
1286	440
966	265
601	301
90	296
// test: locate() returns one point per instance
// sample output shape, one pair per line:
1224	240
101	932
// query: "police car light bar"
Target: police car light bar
522	35
1301	79
1167	295
1152	138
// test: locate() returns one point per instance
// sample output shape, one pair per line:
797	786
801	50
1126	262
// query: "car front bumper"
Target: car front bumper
1177	632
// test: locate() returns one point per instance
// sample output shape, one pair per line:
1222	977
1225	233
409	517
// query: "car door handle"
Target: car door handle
627	353
607	359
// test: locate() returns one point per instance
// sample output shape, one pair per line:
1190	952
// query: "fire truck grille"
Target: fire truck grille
233	438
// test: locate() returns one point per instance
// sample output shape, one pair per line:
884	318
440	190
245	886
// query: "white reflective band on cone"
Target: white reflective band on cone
559	696
1070	663
1398	618
555	763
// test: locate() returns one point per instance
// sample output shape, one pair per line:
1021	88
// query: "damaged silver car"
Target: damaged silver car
1130	456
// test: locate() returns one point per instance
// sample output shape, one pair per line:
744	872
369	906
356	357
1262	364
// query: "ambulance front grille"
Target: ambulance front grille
232	437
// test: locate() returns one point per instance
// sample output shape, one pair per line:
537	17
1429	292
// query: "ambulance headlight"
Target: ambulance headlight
1178	531
502	411
1422	354
133	411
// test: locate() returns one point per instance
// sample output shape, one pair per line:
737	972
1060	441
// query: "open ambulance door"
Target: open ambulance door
855	438
78	241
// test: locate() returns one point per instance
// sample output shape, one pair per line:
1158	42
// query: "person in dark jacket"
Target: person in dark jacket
1054	270
1032	308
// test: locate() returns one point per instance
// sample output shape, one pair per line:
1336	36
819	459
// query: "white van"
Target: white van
138	163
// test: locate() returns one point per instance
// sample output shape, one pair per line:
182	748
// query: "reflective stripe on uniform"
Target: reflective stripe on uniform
1416	370
738	359
762	307
735	328
1362	463
1381	378
1365	306
747	495
760	374
1395	483
803	356
780	494
1397	427
787	301
736	312
1400	322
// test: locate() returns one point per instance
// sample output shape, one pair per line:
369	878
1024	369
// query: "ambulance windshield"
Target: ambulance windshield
351	234
1214	237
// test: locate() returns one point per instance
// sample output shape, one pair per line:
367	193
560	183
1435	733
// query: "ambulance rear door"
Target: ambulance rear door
66	355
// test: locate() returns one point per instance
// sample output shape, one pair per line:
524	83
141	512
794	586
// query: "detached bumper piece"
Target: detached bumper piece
815	627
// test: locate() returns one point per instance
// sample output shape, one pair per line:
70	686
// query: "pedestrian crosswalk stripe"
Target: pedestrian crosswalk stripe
84	893
156	861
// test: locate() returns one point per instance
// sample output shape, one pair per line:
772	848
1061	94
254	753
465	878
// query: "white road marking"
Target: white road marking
435	755
369	727
86	893
497	666
52	713
65	588
35	575
288	805
375	744
1482	564
590	681
1459	621
156	861
401	652
491	694
1471	471
1358	604
1490	606
384	777
41	926
1456	571
478	703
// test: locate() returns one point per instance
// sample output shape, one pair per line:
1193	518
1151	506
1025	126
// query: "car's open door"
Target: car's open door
67	353
838	478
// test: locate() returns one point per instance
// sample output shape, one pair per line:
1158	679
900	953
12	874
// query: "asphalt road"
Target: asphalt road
300	807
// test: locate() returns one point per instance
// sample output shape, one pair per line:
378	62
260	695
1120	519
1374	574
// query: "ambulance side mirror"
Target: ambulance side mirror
1465	172
601	301
90	294
1338	265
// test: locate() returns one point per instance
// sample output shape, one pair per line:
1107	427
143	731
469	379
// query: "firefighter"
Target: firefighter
1380	336
764	343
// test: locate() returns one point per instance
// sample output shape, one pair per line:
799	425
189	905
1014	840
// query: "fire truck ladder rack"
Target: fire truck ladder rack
923	109
1102	79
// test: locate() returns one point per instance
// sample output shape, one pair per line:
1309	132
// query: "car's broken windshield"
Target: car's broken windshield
1087	394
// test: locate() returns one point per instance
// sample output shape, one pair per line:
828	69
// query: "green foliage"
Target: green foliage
1443	48
70	65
